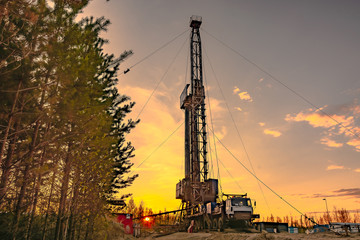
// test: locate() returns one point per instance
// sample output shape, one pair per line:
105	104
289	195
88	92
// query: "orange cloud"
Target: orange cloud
349	131
317	119
261	124
335	167
357	170
245	96
357	109
344	192
338	124
238	108
330	143
236	90
355	143
242	94
273	133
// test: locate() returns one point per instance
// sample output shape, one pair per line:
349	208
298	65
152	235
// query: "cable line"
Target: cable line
211	168
232	176
346	128
293	207
236	128
157	148
162	78
185	80
212	125
152	53
187	66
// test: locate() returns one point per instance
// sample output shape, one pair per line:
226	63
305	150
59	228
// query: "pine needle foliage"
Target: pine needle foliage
63	122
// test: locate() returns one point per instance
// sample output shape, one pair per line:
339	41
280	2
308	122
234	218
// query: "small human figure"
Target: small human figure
191	227
137	230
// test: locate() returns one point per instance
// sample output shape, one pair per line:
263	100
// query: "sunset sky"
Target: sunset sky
312	47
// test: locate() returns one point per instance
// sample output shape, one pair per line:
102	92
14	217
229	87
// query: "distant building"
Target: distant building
321	228
341	227
271	227
293	230
126	222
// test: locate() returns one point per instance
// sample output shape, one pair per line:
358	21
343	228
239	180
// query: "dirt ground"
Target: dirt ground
254	236
246	236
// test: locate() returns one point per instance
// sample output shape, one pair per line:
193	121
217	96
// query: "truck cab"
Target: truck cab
239	208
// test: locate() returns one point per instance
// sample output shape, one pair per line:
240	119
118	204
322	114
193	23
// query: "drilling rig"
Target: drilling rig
199	194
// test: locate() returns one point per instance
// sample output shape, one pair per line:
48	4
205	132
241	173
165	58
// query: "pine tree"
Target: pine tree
63	122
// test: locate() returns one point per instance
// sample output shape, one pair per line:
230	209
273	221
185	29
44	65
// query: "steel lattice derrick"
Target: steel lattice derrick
195	188
198	141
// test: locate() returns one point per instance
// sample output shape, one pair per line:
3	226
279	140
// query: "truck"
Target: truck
234	211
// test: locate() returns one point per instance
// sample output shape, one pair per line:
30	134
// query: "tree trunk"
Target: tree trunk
36	193
20	198
63	192
79	231
48	205
25	181
88	226
73	207
75	225
11	116
7	164
31	153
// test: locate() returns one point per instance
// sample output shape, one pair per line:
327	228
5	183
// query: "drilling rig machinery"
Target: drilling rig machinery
200	194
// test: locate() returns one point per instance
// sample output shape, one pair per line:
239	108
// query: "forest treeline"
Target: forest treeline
63	123
337	215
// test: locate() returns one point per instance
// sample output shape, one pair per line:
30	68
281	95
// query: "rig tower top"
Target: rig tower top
195	21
